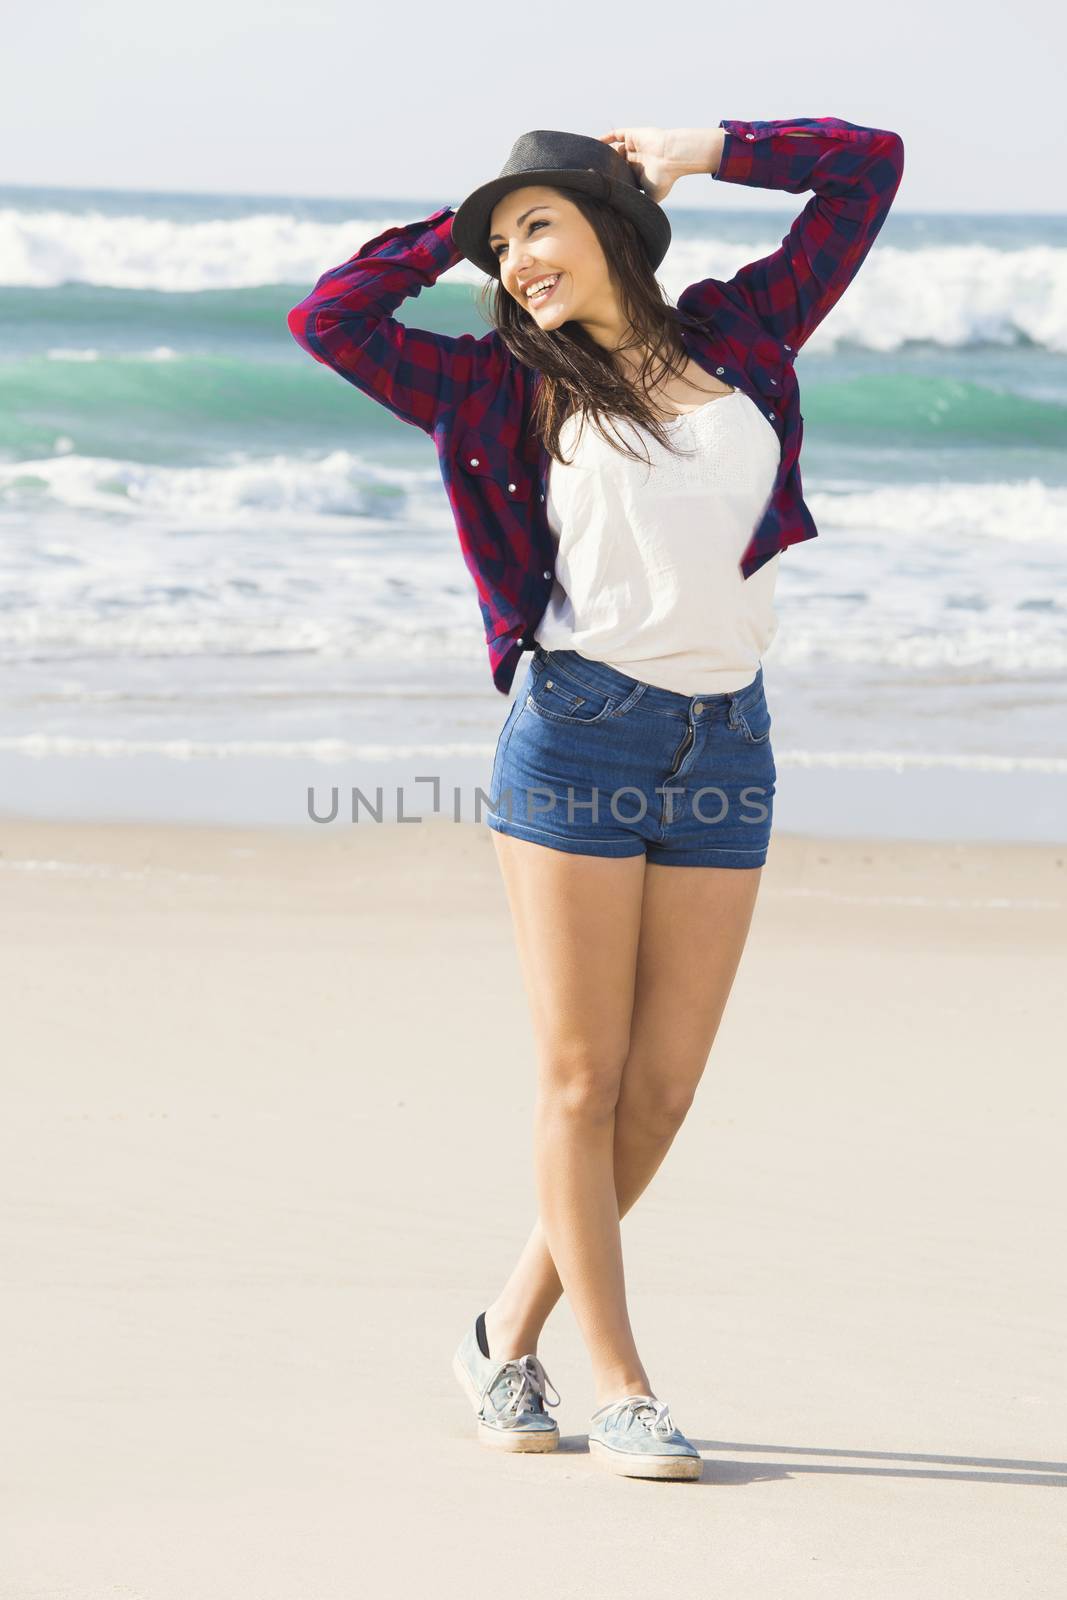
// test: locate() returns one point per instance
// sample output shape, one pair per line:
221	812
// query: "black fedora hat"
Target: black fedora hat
566	161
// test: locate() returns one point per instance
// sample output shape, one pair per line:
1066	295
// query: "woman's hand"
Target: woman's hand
659	156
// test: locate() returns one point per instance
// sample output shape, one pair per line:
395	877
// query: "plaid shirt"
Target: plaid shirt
475	398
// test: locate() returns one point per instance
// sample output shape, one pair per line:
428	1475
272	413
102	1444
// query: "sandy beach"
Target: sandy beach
251	1205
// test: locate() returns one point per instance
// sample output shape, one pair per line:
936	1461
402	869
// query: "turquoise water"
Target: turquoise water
228	575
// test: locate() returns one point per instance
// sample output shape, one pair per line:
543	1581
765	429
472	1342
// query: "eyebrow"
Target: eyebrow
520	220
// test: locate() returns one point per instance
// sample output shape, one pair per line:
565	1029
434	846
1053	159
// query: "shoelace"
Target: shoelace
659	1422
525	1376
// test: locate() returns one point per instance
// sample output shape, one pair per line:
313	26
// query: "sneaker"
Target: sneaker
508	1397
637	1438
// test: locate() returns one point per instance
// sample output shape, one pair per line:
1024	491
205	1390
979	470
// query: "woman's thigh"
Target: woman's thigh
694	926
577	921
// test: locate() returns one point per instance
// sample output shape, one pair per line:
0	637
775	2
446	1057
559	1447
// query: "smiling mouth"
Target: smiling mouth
539	299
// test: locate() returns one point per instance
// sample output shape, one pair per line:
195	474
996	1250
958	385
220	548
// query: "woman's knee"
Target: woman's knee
581	1080
654	1105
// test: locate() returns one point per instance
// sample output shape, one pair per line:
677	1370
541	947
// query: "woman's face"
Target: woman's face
536	232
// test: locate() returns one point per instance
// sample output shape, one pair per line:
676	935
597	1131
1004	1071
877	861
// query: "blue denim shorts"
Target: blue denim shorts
598	763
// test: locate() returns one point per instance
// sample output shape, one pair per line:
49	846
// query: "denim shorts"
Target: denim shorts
598	763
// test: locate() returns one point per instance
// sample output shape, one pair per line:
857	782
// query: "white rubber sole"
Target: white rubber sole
520	1439
625	1464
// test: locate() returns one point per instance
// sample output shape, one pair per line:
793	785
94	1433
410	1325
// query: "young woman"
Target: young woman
624	475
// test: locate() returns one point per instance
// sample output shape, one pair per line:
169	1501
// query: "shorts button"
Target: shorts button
548	683
698	708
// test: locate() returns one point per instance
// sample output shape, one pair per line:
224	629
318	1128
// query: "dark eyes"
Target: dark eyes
540	223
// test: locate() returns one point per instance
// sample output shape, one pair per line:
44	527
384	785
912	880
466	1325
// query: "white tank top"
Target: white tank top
647	565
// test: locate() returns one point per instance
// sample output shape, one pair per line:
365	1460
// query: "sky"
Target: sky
423	101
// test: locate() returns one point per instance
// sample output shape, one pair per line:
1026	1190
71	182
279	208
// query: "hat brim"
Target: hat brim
470	223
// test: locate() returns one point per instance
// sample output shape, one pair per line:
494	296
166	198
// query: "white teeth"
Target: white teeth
542	285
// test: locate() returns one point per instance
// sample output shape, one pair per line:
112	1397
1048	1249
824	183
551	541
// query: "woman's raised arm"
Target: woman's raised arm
855	173
346	323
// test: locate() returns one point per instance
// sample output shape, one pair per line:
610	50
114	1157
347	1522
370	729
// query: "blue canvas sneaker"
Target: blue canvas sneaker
508	1397
636	1437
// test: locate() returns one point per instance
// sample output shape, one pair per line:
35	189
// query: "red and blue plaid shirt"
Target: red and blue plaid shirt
475	398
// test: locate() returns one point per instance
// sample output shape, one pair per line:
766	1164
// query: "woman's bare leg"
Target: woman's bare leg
577	922
694	925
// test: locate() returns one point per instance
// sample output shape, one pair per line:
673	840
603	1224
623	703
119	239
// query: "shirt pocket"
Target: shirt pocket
502	471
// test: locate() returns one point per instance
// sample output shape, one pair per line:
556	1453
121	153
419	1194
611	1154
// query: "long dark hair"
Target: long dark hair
578	375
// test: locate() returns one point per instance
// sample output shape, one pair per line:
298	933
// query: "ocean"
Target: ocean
232	584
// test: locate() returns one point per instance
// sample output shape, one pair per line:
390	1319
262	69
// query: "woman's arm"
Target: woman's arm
855	173
345	323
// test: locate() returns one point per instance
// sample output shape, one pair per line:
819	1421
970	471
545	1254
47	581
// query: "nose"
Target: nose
520	270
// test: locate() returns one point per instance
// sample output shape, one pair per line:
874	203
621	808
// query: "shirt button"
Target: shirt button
542	497
546	574
720	371
789	347
511	488
771	415
775	382
475	462
750	135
